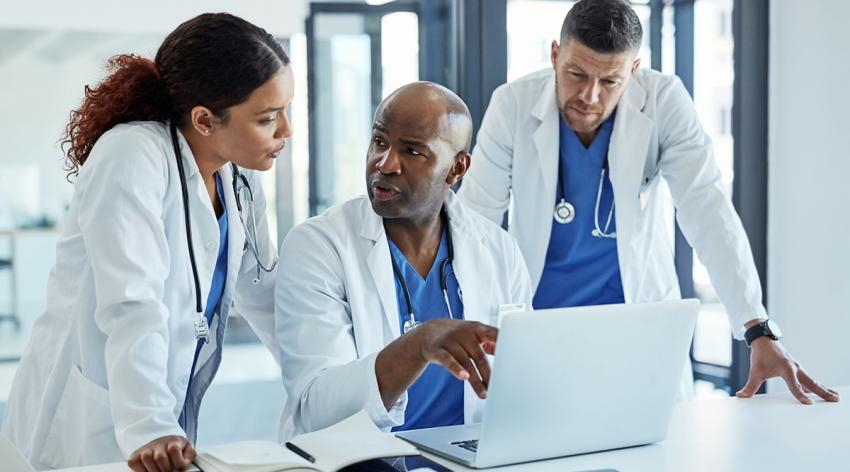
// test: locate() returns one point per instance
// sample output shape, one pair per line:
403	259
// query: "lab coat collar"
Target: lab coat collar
189	163
546	135
634	96
629	143
547	103
373	225
464	234
461	221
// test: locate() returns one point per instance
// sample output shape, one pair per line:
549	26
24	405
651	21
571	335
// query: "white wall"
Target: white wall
279	17
49	50
809	183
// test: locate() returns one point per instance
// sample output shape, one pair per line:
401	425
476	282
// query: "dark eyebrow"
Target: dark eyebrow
413	142
379	127
570	65
614	75
269	110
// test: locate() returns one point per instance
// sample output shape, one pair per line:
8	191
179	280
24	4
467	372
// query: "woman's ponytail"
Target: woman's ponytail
132	91
215	60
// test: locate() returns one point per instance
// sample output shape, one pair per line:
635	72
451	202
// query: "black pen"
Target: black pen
300	452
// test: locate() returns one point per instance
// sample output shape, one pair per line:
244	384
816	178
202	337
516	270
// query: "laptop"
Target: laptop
574	380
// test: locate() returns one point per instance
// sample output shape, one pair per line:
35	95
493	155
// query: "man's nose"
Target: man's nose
389	162
589	93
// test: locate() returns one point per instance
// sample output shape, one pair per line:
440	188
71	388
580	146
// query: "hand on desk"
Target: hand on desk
163	455
768	358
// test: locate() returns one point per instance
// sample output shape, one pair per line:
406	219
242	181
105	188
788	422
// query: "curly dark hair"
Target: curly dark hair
215	60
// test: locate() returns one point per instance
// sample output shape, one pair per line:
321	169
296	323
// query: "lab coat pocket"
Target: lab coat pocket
82	432
646	190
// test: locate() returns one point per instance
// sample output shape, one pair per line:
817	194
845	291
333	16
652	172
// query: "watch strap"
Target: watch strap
758	330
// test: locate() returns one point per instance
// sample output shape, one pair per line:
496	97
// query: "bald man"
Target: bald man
388	303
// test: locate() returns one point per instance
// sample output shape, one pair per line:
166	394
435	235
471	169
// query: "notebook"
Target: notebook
348	442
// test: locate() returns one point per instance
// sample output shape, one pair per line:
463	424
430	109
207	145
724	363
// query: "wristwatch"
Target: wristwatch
767	328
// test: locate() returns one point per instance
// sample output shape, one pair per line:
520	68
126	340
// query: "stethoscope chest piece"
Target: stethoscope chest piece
202	328
410	325
565	212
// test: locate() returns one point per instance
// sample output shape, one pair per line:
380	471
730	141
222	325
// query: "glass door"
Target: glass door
357	54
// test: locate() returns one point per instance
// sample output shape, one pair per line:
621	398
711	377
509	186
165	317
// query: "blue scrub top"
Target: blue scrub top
582	269
436	397
217	285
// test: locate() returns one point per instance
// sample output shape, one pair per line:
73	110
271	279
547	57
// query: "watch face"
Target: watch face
773	329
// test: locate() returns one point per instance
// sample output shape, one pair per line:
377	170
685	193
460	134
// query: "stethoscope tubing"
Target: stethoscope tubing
598	232
250	233
412	322
185	192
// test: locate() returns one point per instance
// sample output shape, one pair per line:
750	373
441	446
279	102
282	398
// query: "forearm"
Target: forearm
142	410
399	365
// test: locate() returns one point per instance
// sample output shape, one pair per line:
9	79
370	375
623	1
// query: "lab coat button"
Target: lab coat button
210	245
184	379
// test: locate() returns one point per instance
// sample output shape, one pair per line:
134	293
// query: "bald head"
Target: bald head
419	149
440	110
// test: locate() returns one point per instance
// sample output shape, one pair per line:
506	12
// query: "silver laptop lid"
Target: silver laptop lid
574	380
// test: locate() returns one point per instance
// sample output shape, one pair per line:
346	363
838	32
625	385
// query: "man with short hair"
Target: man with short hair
590	151
388	303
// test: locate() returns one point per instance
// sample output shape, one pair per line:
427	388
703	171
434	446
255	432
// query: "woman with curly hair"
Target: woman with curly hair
165	237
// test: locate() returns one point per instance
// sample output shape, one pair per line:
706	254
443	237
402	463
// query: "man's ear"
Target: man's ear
553	54
635	66
461	164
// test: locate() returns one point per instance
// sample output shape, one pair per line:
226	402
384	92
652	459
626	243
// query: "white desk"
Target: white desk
767	433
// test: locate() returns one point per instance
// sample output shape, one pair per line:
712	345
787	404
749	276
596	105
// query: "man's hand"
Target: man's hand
460	347
163	455
457	345
768	358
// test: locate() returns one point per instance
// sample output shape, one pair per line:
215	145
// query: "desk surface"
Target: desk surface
766	433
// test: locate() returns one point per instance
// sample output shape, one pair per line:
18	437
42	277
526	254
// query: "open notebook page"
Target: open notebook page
350	441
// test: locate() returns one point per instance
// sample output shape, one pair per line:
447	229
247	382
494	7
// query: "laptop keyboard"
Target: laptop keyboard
470	445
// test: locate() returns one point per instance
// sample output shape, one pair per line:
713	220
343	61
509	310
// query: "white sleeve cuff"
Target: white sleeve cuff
130	443
375	404
738	326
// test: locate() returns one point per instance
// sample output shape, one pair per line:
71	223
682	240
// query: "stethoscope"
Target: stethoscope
240	185
412	322
565	212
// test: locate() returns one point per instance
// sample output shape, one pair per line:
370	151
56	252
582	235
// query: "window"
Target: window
533	25
713	77
358	53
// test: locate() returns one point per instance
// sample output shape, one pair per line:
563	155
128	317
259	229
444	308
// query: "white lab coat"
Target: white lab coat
107	365
657	148
336	308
